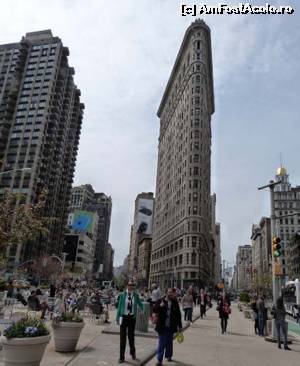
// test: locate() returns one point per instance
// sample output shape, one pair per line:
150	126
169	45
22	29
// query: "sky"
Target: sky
123	53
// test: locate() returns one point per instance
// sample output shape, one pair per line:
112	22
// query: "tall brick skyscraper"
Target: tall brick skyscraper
181	247
40	122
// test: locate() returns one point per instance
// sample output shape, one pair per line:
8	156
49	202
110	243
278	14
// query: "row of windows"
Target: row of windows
44	47
193	241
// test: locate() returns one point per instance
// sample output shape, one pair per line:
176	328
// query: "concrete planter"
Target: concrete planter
66	335
247	313
2	295
24	351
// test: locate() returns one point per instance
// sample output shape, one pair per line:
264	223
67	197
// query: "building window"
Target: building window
193	258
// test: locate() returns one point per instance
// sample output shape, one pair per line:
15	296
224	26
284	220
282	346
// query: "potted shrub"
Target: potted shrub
24	342
67	326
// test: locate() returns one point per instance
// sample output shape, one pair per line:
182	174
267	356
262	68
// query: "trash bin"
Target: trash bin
142	318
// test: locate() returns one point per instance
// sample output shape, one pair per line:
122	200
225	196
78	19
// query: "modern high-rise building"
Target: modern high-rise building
142	227
81	197
103	206
108	265
181	247
40	123
84	198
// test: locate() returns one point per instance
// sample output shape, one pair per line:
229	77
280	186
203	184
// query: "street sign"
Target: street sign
278	269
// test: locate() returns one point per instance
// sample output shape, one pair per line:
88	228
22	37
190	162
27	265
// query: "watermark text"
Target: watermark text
241	8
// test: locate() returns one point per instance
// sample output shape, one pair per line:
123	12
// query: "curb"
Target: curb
294	334
77	352
145	360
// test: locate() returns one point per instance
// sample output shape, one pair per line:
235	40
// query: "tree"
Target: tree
21	222
45	268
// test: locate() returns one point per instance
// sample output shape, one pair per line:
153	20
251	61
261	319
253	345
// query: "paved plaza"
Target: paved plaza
204	344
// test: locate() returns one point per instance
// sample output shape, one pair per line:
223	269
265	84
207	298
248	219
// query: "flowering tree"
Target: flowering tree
20	221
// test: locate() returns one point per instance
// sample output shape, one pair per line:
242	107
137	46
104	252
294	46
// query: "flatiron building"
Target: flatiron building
182	252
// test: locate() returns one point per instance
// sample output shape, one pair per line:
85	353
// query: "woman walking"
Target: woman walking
187	305
224	311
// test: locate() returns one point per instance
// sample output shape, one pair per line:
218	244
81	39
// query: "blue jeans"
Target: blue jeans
188	314
261	324
165	345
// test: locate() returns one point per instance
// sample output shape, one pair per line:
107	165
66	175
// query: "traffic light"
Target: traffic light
276	247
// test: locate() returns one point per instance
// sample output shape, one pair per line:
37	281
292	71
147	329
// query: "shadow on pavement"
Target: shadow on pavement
204	326
240	334
89	349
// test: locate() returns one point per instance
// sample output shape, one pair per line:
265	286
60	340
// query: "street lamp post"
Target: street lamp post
64	261
15	170
275	282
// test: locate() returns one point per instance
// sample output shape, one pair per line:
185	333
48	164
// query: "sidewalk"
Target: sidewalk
104	350
205	345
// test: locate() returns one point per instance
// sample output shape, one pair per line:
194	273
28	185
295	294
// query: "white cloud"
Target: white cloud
123	53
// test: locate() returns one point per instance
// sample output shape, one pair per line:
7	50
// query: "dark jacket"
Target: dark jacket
279	315
175	316
221	306
205	299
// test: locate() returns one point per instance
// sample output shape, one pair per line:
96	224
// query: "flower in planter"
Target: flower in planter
31	330
67	313
26	327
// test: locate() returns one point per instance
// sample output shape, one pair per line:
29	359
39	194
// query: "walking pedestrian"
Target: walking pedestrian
261	315
202	302
168	323
155	296
255	314
224	311
187	305
128	302
279	315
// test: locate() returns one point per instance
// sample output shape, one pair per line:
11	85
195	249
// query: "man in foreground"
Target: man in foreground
128	302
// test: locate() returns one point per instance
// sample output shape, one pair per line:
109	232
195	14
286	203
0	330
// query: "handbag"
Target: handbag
179	337
227	309
154	318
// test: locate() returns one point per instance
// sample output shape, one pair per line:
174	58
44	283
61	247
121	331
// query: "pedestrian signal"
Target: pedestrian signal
276	247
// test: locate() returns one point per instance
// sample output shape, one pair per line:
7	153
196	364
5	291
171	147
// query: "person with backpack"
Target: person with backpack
224	311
